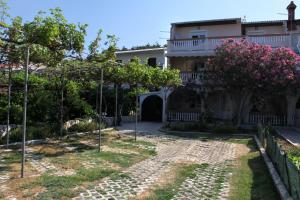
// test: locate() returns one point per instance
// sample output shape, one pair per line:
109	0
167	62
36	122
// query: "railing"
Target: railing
184	116
209	44
189	76
195	77
267	119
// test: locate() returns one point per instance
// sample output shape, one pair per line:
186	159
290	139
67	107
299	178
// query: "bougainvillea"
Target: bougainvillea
242	68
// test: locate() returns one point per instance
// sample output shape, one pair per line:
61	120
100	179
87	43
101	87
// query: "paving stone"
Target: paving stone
208	183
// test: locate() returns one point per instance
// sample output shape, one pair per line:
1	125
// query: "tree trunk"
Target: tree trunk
240	104
291	109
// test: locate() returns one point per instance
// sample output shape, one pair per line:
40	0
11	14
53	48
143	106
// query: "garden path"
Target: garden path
211	183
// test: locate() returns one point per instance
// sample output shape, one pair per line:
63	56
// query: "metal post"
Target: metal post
100	109
116	106
62	107
136	113
25	111
8	106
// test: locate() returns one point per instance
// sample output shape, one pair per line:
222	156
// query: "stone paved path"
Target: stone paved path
39	163
209	183
145	174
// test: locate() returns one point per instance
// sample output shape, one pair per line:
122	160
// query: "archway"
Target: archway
152	109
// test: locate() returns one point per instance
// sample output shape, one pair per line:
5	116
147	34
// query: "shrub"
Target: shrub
294	156
85	126
224	129
32	133
187	126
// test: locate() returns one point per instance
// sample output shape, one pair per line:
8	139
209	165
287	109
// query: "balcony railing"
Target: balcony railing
209	44
191	77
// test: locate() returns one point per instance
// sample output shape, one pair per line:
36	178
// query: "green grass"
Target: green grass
251	179
12	157
132	146
168	191
58	187
123	160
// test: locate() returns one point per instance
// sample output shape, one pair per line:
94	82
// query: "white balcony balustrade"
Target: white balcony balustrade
191	77
209	44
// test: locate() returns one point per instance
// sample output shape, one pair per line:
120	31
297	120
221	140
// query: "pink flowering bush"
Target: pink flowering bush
242	68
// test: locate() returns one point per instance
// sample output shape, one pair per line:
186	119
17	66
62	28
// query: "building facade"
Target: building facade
189	47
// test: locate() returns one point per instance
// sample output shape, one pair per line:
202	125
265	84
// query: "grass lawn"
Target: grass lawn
251	179
76	165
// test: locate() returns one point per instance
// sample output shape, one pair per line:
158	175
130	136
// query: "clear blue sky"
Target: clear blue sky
138	22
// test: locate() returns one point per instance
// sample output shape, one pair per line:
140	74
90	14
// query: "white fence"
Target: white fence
184	116
267	119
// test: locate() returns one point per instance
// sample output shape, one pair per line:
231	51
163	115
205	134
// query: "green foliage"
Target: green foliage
225	129
41	131
294	156
147	46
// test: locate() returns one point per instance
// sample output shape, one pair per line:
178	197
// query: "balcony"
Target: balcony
206	47
191	77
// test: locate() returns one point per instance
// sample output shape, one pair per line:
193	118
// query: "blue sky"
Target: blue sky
138	22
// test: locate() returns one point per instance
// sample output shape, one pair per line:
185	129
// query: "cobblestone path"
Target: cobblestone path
40	164
210	183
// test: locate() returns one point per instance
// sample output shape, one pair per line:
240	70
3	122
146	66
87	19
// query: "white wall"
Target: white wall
212	31
143	55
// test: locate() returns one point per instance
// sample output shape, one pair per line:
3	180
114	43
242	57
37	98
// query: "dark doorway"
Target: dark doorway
298	104
152	109
152	62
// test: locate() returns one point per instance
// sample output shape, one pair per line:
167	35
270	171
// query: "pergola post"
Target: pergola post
116	106
25	112
8	106
62	107
136	112
100	109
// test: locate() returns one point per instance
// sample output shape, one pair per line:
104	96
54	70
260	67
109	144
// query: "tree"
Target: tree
51	37
241	68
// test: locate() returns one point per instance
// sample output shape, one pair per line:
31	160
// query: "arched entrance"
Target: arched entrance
152	109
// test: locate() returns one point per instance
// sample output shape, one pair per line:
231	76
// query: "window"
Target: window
198	36
152	62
